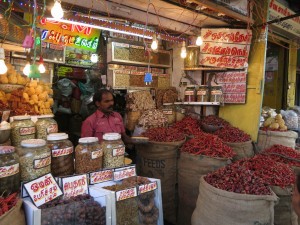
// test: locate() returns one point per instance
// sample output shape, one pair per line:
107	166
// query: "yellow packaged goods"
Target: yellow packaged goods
88	155
22	128
45	125
35	159
62	160
113	149
169	112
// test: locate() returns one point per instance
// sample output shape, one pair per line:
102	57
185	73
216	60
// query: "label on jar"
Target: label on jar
101	176
216	92
27	131
125	194
167	111
124	173
62	152
97	154
119	151
52	128
201	92
189	92
147	187
7	171
41	163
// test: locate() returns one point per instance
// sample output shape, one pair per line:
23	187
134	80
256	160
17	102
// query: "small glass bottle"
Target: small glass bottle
35	159
88	155
22	128
45	125
202	93
62	157
216	94
189	94
113	149
9	170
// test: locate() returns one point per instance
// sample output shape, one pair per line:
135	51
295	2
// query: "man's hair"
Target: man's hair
98	95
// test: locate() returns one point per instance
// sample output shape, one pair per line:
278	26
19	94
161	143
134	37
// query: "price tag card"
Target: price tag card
101	176
43	189
119	151
125	172
147	187
125	194
75	185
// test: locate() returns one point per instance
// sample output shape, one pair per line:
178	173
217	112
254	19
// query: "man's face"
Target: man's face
296	200
106	104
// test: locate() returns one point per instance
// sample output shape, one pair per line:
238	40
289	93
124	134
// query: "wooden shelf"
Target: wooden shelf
198	103
204	68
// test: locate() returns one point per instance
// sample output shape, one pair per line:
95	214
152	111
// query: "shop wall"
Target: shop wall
292	71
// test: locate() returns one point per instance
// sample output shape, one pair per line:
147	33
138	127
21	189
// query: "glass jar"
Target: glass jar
169	112
88	155
189	94
113	149
9	170
22	128
180	112
216	94
35	159
192	57
62	158
45	125
202	93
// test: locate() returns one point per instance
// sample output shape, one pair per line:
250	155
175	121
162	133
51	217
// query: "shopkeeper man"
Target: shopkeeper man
104	120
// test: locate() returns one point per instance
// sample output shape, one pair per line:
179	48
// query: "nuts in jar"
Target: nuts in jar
35	159
88	155
62	159
45	125
9	170
22	128
113	149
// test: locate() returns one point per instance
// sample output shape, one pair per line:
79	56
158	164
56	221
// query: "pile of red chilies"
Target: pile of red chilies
238	179
232	135
188	125
208	145
215	121
7	203
163	134
273	173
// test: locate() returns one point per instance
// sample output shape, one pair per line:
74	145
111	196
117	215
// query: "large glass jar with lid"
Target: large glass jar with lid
216	94
202	93
22	128
35	159
9	170
169	112
88	155
62	157
113	149
189	93
45	125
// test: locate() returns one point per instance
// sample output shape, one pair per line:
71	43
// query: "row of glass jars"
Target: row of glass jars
23	128
203	93
36	157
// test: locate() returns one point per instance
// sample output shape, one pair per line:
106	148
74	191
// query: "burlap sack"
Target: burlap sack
190	169
159	160
15	216
242	149
267	139
219	207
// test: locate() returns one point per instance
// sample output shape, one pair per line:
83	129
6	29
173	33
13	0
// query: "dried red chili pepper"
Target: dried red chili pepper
232	134
215	121
163	134
7	203
188	126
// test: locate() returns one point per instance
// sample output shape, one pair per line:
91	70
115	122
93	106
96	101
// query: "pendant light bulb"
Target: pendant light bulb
57	11
154	44
26	69
183	50
94	58
199	41
3	67
41	67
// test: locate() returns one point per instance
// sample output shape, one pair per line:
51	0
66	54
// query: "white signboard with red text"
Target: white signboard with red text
75	185
225	48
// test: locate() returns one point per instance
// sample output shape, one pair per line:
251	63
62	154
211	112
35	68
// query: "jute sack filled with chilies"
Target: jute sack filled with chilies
190	169
15	216
219	207
242	149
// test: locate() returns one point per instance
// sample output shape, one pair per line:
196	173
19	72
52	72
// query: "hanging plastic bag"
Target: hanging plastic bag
65	86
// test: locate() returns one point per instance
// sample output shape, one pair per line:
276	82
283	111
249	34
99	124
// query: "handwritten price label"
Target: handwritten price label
75	185
125	194
43	189
62	152
101	176
27	130
124	173
7	171
147	187
234	88
119	151
52	128
234	98
97	154
41	163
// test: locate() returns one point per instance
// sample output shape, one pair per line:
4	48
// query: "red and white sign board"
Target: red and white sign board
225	48
234	98
231	77
75	185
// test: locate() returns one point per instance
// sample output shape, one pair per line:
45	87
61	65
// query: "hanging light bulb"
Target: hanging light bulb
94	58
57	11
199	41
183	50
154	44
42	68
3	67
26	69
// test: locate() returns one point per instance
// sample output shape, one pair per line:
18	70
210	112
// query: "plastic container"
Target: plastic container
169	112
202	93
88	155
113	149
45	125
216	94
9	170
189	94
62	157
22	128
35	159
